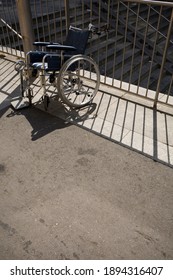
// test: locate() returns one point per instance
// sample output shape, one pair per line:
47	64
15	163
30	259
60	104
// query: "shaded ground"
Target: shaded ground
69	194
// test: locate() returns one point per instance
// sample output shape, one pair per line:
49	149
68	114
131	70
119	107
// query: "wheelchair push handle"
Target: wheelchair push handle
98	31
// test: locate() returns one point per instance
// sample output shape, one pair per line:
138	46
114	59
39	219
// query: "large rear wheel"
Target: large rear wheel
78	81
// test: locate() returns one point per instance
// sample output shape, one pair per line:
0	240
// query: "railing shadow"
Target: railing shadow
9	83
135	126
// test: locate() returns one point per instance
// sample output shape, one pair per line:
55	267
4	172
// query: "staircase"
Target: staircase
120	51
134	63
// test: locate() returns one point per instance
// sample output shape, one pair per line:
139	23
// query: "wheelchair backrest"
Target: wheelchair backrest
77	38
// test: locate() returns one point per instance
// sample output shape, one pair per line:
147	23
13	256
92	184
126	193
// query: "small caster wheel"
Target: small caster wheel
46	101
30	96
51	78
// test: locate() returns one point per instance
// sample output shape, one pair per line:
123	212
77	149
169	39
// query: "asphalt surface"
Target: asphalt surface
69	194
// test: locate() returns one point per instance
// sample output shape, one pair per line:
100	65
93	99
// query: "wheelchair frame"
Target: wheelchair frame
77	81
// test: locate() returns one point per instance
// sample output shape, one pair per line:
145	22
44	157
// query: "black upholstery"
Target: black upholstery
77	38
74	44
36	56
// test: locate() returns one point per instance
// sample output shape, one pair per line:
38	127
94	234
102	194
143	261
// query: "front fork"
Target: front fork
28	89
45	97
20	67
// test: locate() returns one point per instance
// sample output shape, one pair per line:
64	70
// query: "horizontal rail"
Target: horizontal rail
156	3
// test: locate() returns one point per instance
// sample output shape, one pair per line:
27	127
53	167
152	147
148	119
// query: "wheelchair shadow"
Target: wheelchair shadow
41	122
73	115
69	115
58	116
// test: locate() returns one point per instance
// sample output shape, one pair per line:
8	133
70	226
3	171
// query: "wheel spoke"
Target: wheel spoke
76	87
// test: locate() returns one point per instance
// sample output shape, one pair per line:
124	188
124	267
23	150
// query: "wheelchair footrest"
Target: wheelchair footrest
20	103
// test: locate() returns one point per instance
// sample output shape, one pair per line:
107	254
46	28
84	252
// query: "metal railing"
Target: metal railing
133	48
10	36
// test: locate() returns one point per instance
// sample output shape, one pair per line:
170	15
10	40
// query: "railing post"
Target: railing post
164	59
67	14
25	22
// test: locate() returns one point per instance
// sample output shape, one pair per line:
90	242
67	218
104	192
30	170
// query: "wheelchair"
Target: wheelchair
74	75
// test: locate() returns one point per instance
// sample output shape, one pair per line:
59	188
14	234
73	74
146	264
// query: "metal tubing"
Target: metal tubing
124	47
25	21
164	59
3	21
150	25
133	52
42	19
107	37
36	20
115	45
143	49
67	14
169	90
154	48
156	3
48	21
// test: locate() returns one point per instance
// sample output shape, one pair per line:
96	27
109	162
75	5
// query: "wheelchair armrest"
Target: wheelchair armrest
61	47
43	44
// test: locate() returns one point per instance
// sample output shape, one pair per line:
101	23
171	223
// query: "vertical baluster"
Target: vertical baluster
134	46
170	90
154	50
35	15
143	48
54	21
115	45
48	21
164	58
83	14
67	14
5	33
107	37
125	41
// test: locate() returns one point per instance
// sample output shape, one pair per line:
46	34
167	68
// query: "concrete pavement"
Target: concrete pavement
67	193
